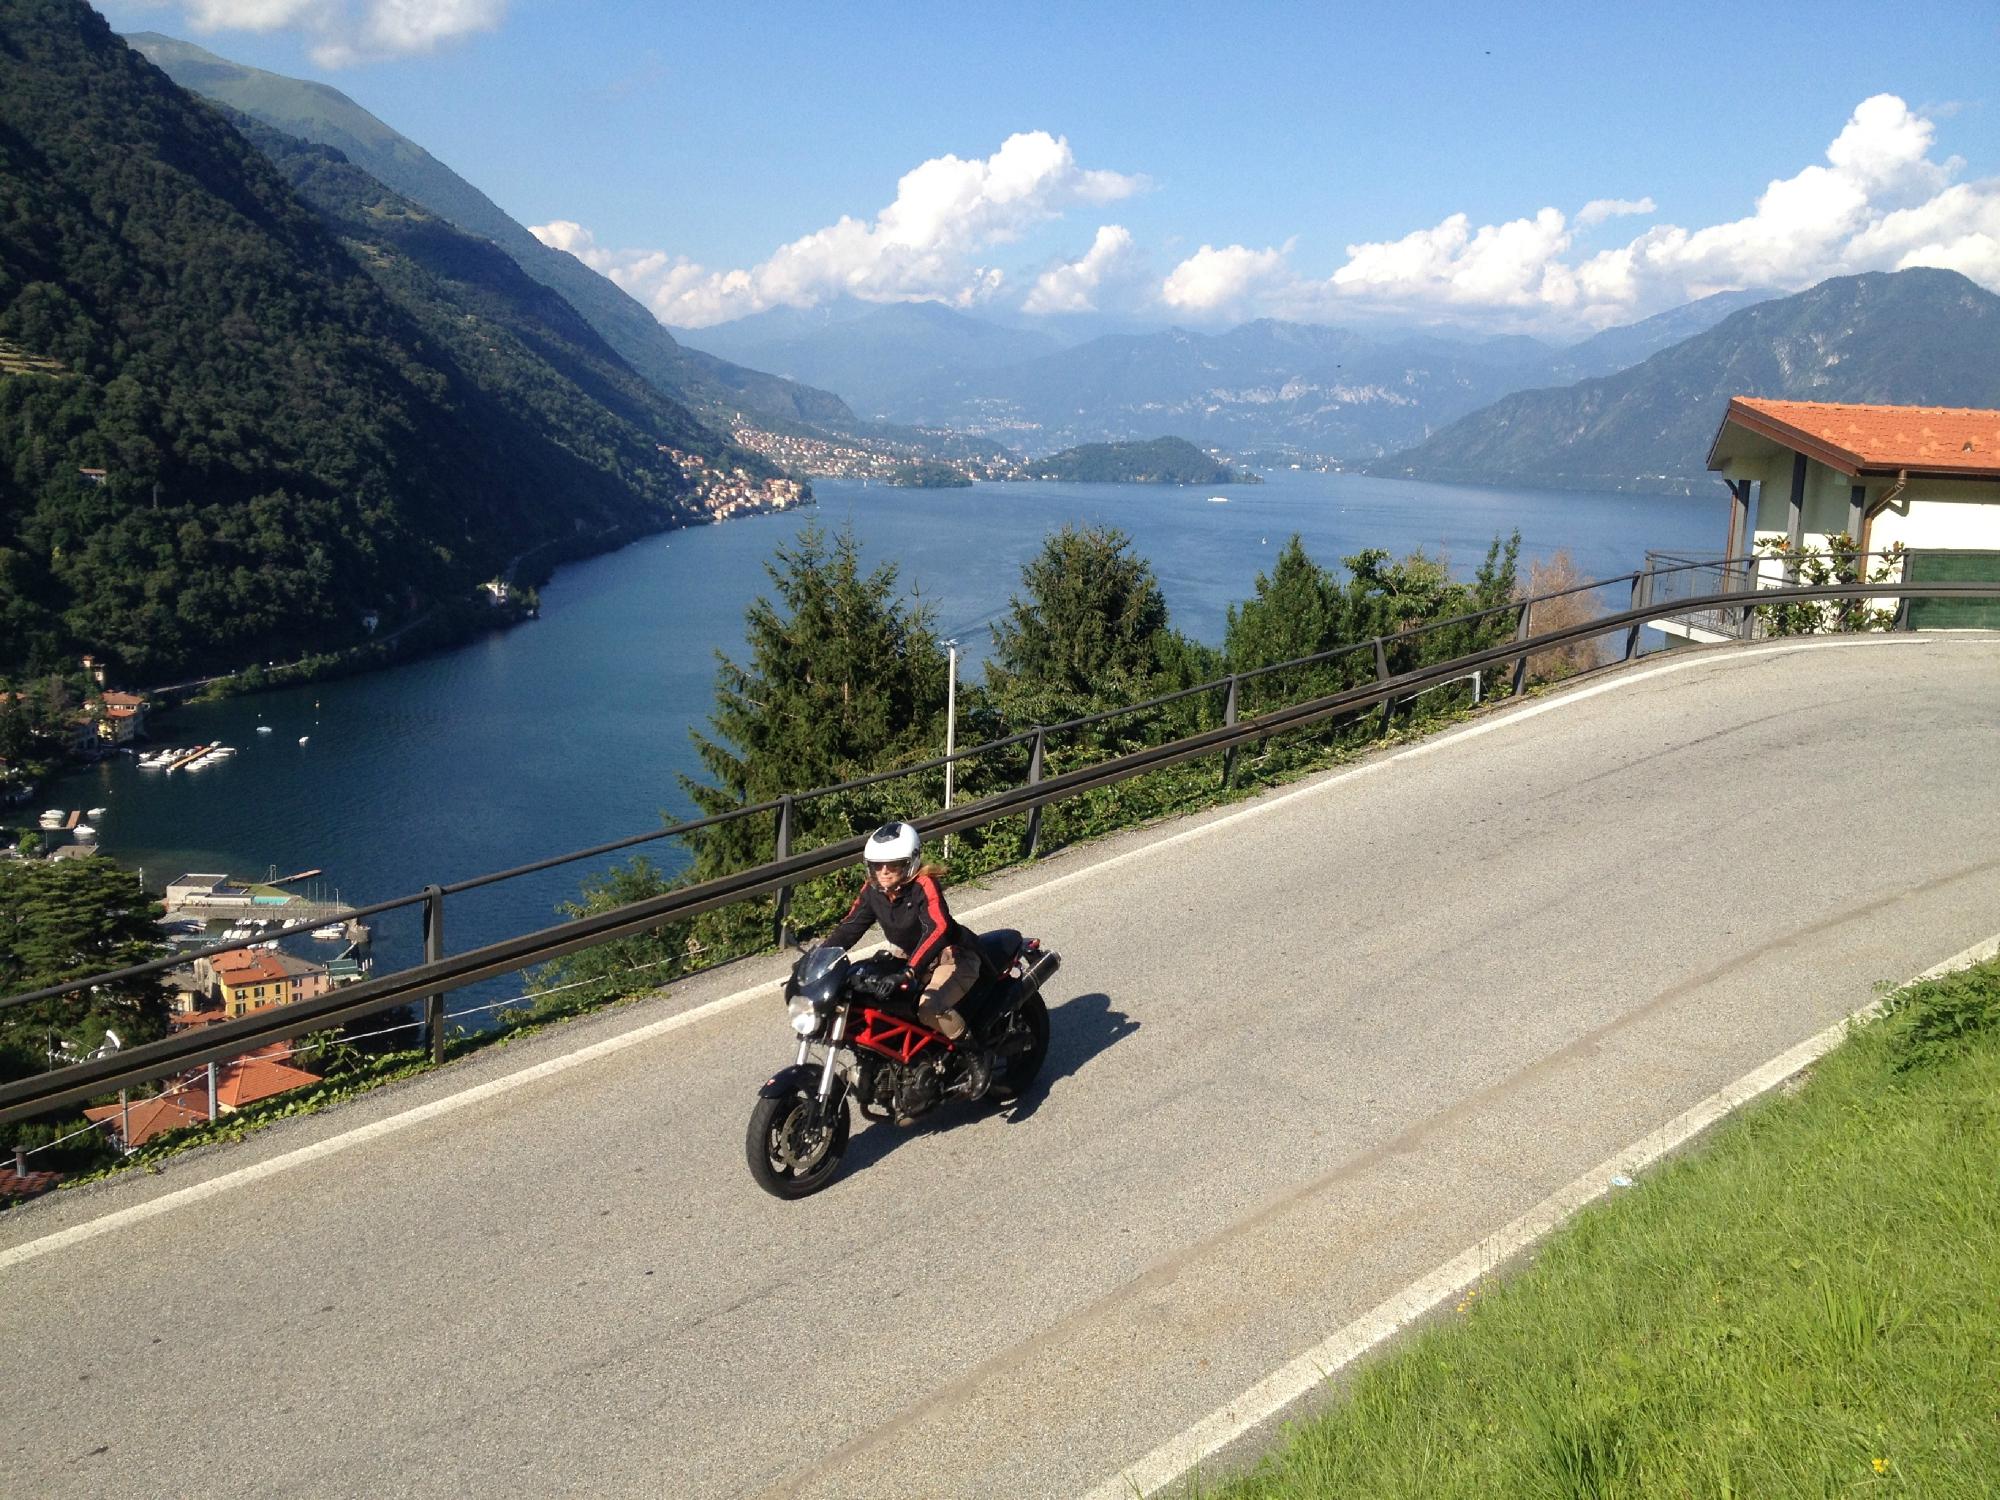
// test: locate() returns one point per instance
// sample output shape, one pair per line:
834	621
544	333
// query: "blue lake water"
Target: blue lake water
571	730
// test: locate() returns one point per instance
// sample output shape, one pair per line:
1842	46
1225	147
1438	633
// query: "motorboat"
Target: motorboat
96	812
84	833
333	932
1218	499
303	738
55	817
263	728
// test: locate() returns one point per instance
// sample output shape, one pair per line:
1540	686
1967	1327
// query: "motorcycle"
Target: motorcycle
863	1013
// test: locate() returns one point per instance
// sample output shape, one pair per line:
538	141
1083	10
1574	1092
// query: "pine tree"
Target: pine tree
68	919
841	680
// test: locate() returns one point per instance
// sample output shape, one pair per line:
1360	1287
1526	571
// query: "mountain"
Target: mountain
1622	347
1270	385
519	341
879	356
222	438
317	113
1917	337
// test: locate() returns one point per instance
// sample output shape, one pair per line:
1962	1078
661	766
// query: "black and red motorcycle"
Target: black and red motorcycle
863	1015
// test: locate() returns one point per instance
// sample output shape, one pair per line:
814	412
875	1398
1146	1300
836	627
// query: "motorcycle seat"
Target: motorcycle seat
1000	948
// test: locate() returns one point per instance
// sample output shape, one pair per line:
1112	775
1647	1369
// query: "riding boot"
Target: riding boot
978	1061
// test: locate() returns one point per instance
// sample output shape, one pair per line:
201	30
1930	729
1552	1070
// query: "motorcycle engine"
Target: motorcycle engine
917	1091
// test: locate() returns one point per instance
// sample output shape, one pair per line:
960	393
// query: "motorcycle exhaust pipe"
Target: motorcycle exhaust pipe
1039	971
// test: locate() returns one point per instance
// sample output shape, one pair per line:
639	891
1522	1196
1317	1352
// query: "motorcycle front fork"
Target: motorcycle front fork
832	1054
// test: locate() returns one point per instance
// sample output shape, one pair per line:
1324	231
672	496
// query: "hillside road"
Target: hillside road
1305	1049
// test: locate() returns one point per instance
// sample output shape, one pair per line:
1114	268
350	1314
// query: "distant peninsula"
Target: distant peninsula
1168	460
928	474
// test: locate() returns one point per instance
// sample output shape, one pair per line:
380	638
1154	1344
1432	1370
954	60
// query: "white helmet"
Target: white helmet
894	844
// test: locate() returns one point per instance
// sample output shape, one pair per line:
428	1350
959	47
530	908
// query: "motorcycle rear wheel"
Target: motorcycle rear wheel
1020	1071
789	1156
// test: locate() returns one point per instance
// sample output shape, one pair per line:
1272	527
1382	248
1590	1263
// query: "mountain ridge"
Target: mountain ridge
713	387
1915	337
228	441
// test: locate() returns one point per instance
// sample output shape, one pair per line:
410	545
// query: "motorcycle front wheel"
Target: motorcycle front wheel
794	1147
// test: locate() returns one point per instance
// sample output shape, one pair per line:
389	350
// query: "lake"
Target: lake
571	730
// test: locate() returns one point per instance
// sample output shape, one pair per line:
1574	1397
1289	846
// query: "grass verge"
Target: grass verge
1807	1305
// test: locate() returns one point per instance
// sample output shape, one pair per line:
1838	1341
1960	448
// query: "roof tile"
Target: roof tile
1934	439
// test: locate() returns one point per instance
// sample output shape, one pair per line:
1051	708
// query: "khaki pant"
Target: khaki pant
952	979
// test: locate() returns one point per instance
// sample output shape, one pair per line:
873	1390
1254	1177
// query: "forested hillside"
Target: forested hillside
524	345
1917	337
1167	460
323	115
282	448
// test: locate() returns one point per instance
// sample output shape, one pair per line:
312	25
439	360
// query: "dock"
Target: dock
195	754
74	819
288	879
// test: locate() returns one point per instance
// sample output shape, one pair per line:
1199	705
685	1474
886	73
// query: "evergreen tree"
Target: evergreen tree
1298	609
841	680
68	919
1089	631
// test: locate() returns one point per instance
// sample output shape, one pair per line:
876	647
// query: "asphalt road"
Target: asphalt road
1305	1050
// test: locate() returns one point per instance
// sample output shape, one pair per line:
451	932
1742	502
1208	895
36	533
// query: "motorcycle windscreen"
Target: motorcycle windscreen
824	961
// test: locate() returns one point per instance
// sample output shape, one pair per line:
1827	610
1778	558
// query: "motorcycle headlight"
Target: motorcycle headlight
805	1016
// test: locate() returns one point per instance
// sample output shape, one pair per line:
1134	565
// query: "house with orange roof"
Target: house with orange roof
123	718
258	1075
133	1124
239	1082
251	978
1923	477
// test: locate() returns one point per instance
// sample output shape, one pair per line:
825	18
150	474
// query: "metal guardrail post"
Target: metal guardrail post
1521	633
433	951
1639	601
1229	717
1746	628
1382	675
1035	813
781	928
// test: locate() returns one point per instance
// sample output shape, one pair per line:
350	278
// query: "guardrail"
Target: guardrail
430	981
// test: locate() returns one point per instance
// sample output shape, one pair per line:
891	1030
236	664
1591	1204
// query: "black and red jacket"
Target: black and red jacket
915	919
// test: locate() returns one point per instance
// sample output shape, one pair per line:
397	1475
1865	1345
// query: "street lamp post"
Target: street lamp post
950	729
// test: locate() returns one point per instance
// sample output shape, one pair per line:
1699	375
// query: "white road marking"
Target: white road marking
479	1093
1182	1453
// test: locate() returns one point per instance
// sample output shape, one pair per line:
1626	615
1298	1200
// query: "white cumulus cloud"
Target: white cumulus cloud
1076	286
925	244
1881	200
351	31
1597	210
1213	281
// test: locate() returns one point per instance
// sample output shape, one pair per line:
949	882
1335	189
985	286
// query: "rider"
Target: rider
903	895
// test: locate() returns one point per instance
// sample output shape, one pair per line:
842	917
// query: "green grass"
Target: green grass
1807	1305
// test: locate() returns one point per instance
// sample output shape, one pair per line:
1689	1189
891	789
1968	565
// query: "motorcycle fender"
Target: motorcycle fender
802	1076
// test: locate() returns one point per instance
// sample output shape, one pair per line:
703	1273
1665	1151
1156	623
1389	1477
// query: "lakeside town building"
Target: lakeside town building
1922	479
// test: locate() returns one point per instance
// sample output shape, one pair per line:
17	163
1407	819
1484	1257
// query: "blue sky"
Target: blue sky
1196	164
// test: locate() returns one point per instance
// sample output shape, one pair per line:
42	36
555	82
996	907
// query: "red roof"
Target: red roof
1950	440
248	1079
16	1185
151	1117
253	967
